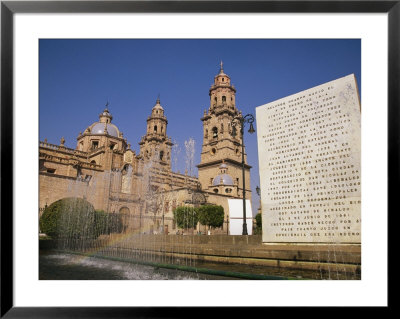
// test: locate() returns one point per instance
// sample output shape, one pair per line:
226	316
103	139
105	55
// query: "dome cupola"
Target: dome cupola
104	125
222	79
102	136
157	110
105	116
99	128
223	178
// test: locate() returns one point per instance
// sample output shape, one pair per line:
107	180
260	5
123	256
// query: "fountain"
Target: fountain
125	244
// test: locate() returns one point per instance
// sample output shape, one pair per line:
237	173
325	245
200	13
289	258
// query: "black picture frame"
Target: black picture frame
9	8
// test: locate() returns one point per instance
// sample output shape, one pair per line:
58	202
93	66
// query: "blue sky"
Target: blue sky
78	77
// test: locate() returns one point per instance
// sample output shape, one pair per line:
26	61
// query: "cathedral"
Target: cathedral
106	171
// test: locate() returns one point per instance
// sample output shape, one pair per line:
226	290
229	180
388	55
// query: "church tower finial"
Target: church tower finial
105	116
221	68
158	99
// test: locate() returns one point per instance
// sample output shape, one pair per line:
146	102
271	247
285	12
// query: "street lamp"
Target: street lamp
242	120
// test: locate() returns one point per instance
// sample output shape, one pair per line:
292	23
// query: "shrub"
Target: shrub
258	229
50	219
76	218
211	215
107	223
185	217
66	217
259	220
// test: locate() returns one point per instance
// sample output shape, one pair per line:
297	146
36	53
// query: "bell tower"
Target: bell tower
220	144
156	146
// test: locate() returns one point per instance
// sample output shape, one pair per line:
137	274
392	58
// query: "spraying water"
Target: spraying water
190	151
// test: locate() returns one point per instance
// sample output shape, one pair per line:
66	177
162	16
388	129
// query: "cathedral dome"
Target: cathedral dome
223	179
104	128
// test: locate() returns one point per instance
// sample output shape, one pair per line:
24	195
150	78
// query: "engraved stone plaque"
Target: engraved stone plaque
309	147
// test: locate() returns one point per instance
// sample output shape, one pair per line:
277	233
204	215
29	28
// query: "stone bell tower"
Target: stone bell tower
156	146
220	145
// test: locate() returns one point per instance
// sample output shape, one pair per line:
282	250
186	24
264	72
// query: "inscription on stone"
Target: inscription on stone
309	147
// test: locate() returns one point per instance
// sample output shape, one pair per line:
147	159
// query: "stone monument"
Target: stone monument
309	147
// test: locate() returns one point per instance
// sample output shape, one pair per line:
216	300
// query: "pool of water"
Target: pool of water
63	266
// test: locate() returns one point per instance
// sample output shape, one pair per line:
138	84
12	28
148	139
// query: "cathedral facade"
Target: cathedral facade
141	186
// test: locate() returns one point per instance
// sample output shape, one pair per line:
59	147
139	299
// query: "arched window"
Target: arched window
78	172
155	128
223	99
161	155
124	210
125	169
216	190
215	132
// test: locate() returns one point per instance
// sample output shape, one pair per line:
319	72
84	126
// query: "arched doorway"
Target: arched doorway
126	217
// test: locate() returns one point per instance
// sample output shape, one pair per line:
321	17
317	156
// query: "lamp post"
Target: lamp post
241	121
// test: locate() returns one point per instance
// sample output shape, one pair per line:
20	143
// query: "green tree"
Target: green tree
76	218
211	215
258	229
259	220
185	217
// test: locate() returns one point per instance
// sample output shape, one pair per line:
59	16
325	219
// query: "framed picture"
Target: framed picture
25	26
